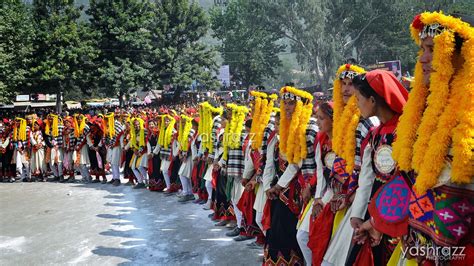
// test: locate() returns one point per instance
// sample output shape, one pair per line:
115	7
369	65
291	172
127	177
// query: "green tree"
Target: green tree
179	55
250	49
124	41
63	48
16	47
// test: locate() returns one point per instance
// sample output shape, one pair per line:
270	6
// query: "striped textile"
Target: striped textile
308	168
166	153
59	140
266	135
119	128
82	138
72	141
216	125
362	130
236	160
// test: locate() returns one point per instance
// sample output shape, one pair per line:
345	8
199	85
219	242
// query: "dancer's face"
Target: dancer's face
290	106
323	121
426	58
366	105
347	89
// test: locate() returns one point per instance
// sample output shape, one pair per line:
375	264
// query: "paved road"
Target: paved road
95	224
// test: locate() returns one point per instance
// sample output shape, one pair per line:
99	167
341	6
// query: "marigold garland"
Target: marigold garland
454	124
260	116
439	93
185	125
79	127
294	148
110	128
207	112
463	134
53	129
133	133
346	119
19	132
409	121
233	129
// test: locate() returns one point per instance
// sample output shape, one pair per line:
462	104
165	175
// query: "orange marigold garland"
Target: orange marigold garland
346	118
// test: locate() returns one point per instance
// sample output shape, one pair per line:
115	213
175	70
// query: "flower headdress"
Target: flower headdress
346	117
263	108
79	127
206	113
440	116
234	127
166	133
185	125
52	129
110	126
293	131
133	133
19	132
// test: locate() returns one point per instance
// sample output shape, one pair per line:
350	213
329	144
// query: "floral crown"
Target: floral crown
294	94
430	24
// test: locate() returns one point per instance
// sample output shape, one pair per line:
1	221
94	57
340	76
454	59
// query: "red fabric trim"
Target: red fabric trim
267	215
320	230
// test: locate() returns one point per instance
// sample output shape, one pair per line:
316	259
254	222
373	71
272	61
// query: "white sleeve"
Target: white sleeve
269	170
321	181
122	138
249	168
175	148
290	172
148	148
366	180
89	141
5	144
32	139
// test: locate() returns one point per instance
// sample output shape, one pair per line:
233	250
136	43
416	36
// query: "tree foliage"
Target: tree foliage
250	49
16	47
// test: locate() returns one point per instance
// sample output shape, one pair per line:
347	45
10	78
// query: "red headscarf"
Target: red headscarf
387	86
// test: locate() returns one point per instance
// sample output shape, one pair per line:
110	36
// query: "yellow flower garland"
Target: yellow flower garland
261	116
110	125
206	129
79	128
409	122
19	133
185	125
439	93
451	127
294	148
133	133
346	119
52	129
233	129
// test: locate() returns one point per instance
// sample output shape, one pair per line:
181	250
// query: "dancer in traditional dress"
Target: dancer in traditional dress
156	179
186	135
434	147
69	147
113	139
81	158
167	149
6	150
346	207
139	161
55	142
21	138
38	165
294	166
95	140
380	94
